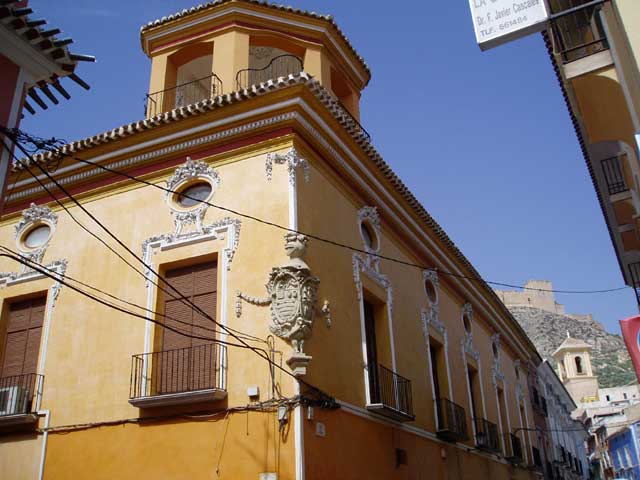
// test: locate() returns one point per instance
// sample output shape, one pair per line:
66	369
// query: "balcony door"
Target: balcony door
21	346
22	340
372	352
185	363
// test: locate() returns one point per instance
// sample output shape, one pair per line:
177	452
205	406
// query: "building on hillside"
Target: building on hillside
595	52
573	358
562	438
359	367
33	61
538	294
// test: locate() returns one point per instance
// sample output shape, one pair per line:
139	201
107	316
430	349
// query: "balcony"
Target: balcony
486	435
391	397
280	66
452	421
513	448
178	377
613	176
20	398
182	95
537	459
578	33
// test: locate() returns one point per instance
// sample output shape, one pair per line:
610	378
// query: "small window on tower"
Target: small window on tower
579	369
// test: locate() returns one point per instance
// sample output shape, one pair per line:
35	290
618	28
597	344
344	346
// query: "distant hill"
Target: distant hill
548	330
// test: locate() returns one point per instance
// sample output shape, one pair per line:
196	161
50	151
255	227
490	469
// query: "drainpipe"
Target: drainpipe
47	418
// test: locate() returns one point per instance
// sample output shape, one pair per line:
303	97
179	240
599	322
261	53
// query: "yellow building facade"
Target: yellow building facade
595	50
309	319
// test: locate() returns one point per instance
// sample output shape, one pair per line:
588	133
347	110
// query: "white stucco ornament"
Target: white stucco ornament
292	296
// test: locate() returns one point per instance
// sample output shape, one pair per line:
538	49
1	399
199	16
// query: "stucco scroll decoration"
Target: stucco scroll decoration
191	170
56	268
496	370
519	392
31	217
362	265
371	217
466	343
293	160
431	275
216	229
292	296
430	319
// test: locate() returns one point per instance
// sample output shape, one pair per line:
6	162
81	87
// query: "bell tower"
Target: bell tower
223	47
573	357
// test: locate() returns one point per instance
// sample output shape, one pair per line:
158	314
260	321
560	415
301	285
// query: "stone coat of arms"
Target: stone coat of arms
292	296
293	293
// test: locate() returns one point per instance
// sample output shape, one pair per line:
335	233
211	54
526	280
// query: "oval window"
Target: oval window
494	347
368	236
467	323
36	237
194	194
431	291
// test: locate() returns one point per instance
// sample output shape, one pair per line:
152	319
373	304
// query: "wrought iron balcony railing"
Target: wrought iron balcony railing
613	175
452	421
578	33
513	448
487	437
182	95
185	375
351	120
537	459
391	396
279	66
20	394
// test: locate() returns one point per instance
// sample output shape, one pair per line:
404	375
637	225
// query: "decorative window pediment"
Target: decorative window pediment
191	186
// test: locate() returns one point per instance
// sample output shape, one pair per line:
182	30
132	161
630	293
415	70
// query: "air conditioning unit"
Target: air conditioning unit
14	400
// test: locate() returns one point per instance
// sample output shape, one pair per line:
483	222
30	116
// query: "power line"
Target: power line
59	278
189	304
148	267
114	297
180	298
43	144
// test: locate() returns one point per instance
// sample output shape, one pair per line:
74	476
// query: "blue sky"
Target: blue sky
483	139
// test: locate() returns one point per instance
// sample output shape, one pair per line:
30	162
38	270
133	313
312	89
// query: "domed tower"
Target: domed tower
575	371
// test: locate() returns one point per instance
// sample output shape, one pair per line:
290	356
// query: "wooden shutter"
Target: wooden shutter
22	343
192	367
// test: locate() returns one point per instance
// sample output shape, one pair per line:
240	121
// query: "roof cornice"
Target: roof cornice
471	276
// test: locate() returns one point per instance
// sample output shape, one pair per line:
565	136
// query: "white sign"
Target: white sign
500	21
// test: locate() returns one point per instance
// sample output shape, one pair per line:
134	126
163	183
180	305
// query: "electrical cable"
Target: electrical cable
59	278
102	241
329	241
148	267
114	297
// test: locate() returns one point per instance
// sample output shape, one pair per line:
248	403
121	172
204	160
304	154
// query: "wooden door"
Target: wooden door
186	363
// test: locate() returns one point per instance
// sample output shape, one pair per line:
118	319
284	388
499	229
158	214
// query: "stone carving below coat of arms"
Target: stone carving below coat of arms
292	297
